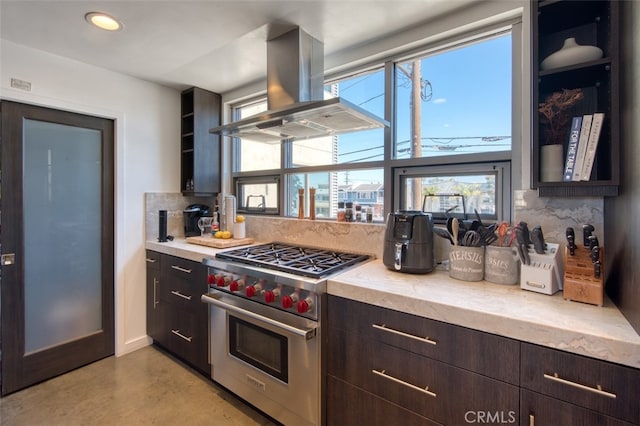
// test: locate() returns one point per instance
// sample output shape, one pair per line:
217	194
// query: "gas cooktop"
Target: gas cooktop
294	259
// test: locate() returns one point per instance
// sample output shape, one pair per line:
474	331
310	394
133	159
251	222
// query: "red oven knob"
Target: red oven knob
211	279
253	289
305	305
236	285
288	301
222	281
271	295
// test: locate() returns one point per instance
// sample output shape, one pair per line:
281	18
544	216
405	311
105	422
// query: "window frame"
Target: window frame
389	164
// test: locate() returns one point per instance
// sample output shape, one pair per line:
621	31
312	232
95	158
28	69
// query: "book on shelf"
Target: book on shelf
572	150
592	145
582	146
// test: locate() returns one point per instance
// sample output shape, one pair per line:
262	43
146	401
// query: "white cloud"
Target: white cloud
439	100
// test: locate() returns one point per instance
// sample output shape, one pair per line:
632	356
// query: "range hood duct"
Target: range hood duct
296	108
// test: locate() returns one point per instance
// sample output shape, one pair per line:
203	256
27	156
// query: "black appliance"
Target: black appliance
408	243
191	215
162	226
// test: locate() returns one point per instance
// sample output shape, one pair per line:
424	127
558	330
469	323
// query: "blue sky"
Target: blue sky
470	97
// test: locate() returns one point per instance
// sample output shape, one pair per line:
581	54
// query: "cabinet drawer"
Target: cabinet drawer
188	337
423	385
540	410
349	405
183	295
179	268
607	388
182	283
152	259
484	353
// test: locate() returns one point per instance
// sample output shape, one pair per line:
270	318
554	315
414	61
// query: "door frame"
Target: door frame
78	352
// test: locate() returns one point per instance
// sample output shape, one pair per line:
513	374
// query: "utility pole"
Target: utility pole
416	129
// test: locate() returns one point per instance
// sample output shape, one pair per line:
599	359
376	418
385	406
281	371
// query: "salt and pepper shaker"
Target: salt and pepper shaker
312	203
300	203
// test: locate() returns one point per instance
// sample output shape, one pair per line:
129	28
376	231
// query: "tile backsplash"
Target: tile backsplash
553	214
174	204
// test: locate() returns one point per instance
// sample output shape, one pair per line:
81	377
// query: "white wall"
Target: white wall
147	154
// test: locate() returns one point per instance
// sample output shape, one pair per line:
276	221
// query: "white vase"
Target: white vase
551	163
570	54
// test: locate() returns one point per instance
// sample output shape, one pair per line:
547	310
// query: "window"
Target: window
464	191
462	101
451	115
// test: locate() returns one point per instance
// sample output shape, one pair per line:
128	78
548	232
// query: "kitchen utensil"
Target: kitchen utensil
525	233
571	241
471	239
537	238
487	234
503	229
455	227
522	246
587	231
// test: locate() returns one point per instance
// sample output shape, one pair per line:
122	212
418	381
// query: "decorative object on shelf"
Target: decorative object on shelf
571	53
551	163
555	117
555	114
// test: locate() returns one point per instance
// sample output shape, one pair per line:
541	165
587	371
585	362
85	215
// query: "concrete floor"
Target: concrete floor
146	387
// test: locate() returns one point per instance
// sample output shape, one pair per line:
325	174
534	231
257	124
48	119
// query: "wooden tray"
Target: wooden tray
220	242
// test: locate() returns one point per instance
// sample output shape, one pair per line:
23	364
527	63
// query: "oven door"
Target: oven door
268	357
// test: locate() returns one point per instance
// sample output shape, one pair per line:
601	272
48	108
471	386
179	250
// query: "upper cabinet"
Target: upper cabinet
200	150
589	23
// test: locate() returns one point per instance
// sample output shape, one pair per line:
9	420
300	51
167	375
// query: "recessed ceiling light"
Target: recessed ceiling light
104	21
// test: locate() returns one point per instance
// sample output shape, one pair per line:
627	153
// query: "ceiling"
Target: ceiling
218	45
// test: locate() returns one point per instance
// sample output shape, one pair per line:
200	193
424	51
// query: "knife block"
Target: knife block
544	274
580	284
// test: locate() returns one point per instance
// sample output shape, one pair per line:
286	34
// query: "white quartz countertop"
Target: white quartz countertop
506	310
599	332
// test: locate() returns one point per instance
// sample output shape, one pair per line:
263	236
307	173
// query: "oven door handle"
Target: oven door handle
307	334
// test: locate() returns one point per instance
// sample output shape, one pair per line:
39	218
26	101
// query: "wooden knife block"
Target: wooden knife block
580	284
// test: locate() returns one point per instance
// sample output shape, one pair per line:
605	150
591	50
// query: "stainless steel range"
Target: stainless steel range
267	305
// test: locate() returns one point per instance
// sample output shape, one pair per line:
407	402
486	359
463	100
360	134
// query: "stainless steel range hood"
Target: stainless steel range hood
296	108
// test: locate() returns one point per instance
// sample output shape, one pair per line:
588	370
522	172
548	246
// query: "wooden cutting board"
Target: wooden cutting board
220	242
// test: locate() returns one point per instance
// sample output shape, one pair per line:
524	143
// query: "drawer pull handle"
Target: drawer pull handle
151	260
597	389
187	271
402	382
411	336
155	292
532	420
177	293
177	333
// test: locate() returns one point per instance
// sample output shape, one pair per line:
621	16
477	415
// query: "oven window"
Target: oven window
263	349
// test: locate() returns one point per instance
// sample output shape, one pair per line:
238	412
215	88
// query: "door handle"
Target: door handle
8	259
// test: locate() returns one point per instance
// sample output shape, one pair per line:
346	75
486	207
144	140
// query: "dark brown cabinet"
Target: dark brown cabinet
576	386
200	150
176	318
593	23
424	370
155	310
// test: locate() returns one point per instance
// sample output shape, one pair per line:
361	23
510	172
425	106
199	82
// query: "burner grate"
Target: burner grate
299	260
